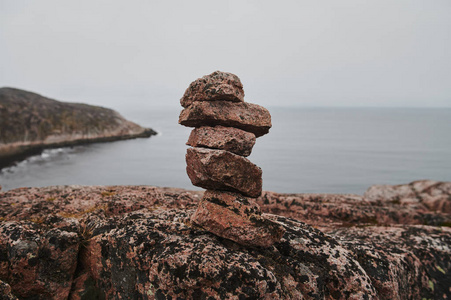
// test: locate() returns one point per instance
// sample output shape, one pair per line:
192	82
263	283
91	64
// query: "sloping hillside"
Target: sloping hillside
30	122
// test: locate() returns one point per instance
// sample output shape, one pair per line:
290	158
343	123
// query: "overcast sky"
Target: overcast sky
305	53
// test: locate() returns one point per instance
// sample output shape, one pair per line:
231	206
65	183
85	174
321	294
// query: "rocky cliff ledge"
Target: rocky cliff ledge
136	242
30	122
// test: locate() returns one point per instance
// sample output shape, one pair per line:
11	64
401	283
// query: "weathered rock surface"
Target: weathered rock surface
401	261
5	292
216	86
237	218
246	116
30	122
327	211
223	170
137	242
231	139
157	255
39	256
44	233
432	194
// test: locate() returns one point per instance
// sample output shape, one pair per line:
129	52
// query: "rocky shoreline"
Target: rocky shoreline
137	242
30	123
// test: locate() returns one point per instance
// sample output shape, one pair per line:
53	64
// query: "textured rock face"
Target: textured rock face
224	138
39	260
237	218
327	211
222	170
31	122
432	194
166	259
44	233
246	116
401	261
5	292
137	242
216	86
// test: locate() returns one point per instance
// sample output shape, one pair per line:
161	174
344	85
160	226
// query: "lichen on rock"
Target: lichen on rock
215	86
139	242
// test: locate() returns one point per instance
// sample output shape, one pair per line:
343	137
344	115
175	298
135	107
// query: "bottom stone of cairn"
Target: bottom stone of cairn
237	218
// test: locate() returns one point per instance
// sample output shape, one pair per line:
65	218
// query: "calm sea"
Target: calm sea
330	150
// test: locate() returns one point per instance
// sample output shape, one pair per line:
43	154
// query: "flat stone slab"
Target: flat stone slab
237	218
216	86
231	139
223	170
246	116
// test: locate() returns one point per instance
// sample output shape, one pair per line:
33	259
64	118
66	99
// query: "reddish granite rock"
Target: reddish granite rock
138	242
223	170
328	211
246	116
5	292
216	86
158	255
224	138
237	218
31	204
83	287
432	194
39	257
402	260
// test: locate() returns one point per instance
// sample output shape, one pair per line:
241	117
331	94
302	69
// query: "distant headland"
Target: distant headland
30	123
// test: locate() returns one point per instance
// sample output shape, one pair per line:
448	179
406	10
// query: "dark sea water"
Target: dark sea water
330	150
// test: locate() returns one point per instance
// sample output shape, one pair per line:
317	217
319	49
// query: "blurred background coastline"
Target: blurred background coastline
320	150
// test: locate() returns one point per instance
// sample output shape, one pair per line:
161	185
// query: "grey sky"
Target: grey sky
320	53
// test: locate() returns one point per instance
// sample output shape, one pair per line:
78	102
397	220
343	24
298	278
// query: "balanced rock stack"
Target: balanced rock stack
225	131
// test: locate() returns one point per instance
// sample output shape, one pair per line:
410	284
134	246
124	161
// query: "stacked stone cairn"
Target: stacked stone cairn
225	131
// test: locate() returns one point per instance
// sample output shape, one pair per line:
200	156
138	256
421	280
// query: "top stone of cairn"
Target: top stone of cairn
216	86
